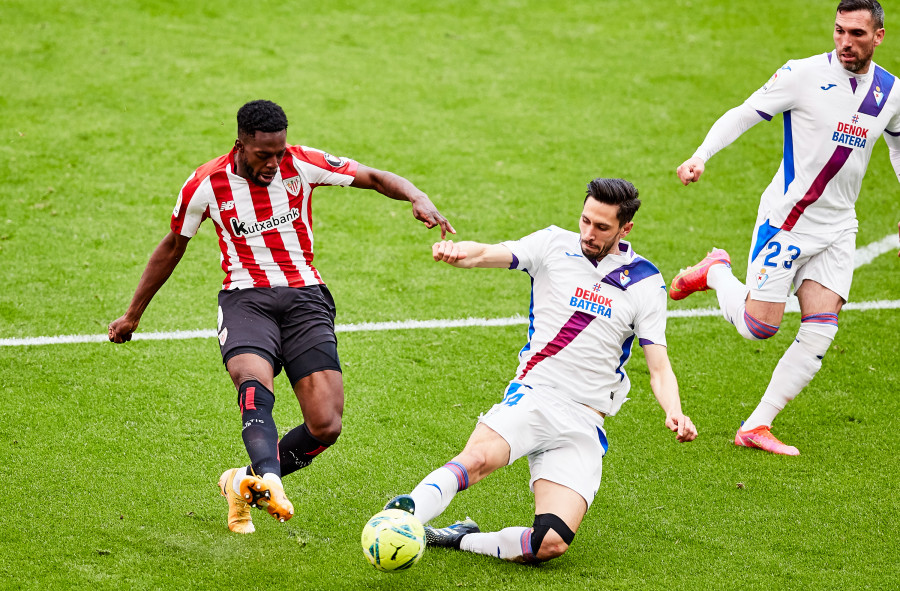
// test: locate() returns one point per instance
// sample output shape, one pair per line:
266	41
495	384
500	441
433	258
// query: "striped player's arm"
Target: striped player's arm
162	262
396	187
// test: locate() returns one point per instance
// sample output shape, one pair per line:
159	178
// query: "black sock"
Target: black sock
259	432
298	448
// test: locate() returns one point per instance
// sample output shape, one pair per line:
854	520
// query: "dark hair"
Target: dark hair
263	116
615	192
871	5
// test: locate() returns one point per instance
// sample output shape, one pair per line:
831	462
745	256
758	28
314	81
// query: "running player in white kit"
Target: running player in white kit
592	296
835	106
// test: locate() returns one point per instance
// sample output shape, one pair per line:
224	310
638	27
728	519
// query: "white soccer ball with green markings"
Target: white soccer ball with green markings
393	540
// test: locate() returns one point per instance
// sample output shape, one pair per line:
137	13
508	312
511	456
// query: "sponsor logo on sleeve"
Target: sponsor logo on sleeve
334	160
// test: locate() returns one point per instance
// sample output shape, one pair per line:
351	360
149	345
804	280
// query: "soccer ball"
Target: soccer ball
393	540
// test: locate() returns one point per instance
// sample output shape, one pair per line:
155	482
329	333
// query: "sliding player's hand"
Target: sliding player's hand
448	252
682	426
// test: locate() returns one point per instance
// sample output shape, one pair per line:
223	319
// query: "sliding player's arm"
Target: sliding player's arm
467	254
665	388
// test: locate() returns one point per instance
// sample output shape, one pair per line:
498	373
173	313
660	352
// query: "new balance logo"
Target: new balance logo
829	87
227	206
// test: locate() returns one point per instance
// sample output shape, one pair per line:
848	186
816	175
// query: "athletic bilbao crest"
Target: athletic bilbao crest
292	185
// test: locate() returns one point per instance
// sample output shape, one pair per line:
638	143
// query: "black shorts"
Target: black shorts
291	327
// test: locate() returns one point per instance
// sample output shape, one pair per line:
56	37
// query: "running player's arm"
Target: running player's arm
776	96
665	388
893	142
726	130
162	262
466	254
396	187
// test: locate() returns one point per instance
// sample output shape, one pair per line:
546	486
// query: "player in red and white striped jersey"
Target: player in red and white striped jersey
274	309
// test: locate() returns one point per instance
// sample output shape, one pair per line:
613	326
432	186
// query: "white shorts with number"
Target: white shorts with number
563	439
791	258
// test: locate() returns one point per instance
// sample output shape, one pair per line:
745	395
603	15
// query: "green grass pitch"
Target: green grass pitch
501	111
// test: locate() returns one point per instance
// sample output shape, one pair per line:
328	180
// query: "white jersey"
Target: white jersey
585	316
832	119
265	233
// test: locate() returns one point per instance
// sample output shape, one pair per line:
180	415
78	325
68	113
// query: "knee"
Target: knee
551	549
326	429
475	461
550	536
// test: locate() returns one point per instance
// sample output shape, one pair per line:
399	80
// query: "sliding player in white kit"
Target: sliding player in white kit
591	297
836	105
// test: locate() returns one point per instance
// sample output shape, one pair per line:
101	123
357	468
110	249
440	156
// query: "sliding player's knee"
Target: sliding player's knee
552	547
474	459
550	537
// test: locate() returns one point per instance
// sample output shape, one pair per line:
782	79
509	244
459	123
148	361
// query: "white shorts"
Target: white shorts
791	258
563	439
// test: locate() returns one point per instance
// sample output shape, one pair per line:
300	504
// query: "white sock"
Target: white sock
511	543
272	476
794	371
436	490
763	414
238	475
732	294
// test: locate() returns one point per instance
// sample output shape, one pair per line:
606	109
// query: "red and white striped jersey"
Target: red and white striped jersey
265	233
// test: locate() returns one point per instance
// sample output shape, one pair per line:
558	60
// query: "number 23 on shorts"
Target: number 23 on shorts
774	249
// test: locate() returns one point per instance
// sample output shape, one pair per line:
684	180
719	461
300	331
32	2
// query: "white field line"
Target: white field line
864	255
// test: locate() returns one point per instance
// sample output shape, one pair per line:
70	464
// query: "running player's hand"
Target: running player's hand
682	426
425	211
121	329
448	252
690	171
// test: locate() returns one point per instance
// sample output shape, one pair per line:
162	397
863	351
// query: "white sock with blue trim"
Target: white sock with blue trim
510	543
436	490
795	370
